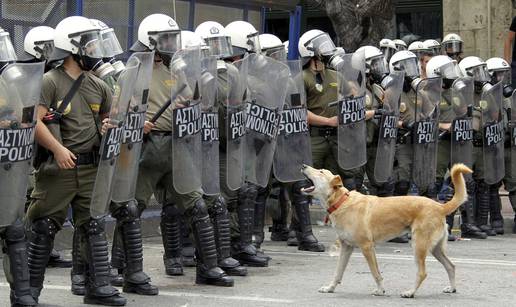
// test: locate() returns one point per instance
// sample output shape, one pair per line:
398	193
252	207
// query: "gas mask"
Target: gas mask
411	68
90	54
503	76
377	69
335	61
480	77
117	64
166	58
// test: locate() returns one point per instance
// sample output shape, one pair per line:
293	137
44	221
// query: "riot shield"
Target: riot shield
351	113
185	69
426	132
462	93
235	122
126	173
512	127
392	86
210	127
493	134
267	82
293	147
20	86
112	139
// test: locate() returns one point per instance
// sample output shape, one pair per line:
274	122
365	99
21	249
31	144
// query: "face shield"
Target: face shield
91	53
409	66
7	53
167	42
452	48
278	53
110	44
436	50
322	45
220	46
503	76
479	73
253	41
401	47
44	48
378	67
450	71
387	52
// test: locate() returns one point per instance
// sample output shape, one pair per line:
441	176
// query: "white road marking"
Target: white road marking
190	294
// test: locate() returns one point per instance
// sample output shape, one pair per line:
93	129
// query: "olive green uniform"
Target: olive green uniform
56	188
155	171
324	139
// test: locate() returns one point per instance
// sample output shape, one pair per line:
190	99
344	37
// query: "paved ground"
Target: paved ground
486	276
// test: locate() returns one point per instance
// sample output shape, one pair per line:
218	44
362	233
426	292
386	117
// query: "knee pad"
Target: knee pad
219	206
296	189
471	186
482	187
401	187
45	226
94	227
247	191
199	208
170	212
15	233
128	212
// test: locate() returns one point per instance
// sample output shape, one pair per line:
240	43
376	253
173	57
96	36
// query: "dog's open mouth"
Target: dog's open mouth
309	189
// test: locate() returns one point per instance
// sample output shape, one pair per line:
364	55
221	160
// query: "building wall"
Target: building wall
469	19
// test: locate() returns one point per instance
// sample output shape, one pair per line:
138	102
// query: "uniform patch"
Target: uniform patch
333	84
403	107
169	82
95	106
67	109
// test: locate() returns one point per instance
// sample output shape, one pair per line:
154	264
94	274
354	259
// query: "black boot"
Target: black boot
41	242
243	250
512	199
495	209
129	224
482	198
293	229
99	290
220	220
77	272
57	261
188	249
16	267
401	239
171	234
208	271
117	257
449	222
279	230
301	204
469	228
259	216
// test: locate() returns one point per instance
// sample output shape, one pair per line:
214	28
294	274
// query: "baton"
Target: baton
333	103
166	105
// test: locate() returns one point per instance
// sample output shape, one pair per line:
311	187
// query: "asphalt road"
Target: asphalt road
486	276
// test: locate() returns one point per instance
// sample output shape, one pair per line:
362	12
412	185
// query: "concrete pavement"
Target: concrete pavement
486	275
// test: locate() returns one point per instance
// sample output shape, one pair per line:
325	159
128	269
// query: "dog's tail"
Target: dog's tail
461	194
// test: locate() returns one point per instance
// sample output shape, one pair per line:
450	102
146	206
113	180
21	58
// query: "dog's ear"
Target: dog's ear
336	182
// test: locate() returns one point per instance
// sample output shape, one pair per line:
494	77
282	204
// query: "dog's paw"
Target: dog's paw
408	294
326	289
378	292
449	289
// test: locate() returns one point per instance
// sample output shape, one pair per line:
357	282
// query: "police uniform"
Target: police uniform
155	176
319	94
509	181
404	152
55	189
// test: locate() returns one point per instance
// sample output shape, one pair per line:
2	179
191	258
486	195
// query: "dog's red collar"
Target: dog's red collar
339	202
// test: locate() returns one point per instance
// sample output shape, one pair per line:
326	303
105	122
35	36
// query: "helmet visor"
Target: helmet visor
253	41
322	45
503	76
110	44
409	66
278	53
436	50
167	42
44	48
401	47
220	46
479	73
7	52
91	45
387	52
452	47
378	66
450	71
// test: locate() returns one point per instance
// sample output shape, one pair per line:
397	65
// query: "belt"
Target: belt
160	132
87	158
323	131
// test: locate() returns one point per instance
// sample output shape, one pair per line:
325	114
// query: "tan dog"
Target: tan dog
363	220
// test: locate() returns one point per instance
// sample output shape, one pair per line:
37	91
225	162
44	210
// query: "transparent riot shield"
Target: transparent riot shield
267	83
392	86
293	142
351	113
126	173
426	132
185	69
236	76
20	87
462	93
112	139
493	134
210	127
512	127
